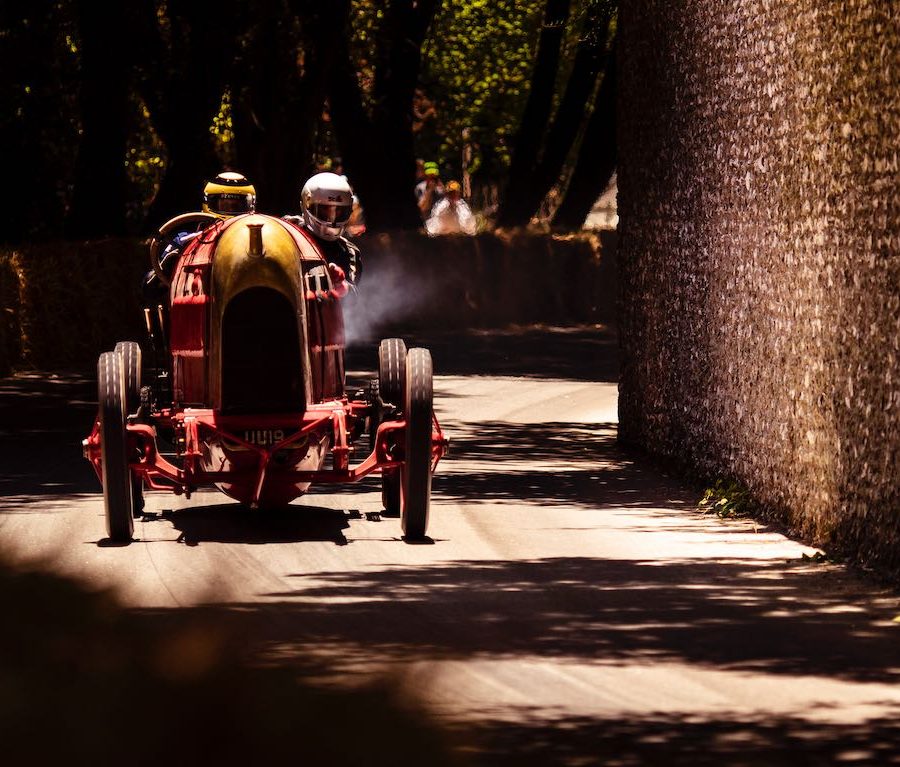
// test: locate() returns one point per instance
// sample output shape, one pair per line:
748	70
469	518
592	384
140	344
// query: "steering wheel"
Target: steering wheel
177	224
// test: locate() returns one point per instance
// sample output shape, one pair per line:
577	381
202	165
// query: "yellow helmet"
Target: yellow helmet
229	194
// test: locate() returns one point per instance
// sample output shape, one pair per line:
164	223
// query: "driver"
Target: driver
327	203
228	194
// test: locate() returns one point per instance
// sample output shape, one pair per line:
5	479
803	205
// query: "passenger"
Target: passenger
327	203
430	190
451	215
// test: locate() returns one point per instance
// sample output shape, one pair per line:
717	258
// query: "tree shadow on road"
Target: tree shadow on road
582	353
782	617
43	418
577	464
793	620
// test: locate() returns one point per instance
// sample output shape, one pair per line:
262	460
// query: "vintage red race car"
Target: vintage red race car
248	392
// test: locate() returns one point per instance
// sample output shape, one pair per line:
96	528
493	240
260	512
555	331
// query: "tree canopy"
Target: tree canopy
109	131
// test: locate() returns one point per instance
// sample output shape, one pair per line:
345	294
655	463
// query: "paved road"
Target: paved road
572	608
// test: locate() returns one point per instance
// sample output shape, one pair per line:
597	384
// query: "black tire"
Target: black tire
416	469
117	487
392	390
392	371
130	352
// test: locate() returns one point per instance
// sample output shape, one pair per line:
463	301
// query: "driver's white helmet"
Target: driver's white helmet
327	202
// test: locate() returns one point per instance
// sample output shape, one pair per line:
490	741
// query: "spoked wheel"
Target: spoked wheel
416	471
391	389
130	352
117	490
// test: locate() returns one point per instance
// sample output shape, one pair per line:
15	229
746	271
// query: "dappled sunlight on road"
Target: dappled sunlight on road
571	605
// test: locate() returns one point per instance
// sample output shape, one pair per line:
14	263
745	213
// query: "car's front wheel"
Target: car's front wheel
116	477
130	352
416	471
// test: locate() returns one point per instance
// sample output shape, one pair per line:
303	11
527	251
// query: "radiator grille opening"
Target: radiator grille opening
261	363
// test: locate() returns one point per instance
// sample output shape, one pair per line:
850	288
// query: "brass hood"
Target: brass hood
256	251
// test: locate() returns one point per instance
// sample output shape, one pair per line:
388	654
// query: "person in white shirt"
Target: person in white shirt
451	215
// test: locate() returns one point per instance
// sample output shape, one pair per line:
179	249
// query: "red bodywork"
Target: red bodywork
259	458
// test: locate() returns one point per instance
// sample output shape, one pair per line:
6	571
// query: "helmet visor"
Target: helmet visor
230	204
333	213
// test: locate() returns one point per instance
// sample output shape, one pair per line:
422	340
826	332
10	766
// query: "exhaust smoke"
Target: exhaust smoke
391	293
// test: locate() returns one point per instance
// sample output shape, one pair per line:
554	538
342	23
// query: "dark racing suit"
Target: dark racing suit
340	251
345	254
152	289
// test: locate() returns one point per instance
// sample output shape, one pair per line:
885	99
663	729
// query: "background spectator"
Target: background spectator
452	214
429	190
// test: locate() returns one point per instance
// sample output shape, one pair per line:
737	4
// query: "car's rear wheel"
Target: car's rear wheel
117	487
416	471
391	390
130	352
392	371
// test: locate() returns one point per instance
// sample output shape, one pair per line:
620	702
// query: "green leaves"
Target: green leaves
476	64
727	499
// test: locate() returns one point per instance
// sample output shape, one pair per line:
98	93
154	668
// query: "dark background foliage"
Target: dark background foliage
115	115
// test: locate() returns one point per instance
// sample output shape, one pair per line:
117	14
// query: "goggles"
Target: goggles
230	203
334	214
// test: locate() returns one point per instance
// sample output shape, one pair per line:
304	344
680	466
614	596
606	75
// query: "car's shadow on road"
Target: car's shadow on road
231	523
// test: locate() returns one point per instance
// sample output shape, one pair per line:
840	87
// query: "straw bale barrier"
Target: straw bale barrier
61	303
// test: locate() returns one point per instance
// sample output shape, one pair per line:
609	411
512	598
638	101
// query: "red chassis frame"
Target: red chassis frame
191	424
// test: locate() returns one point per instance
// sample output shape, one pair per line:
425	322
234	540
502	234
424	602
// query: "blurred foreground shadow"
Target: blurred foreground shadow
669	740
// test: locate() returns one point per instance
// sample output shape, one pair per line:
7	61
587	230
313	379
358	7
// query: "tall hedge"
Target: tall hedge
759	250
61	304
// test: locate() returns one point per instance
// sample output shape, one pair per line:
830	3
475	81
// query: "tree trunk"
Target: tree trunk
36	137
408	24
596	161
529	137
571	114
98	200
353	128
378	151
275	111
183	89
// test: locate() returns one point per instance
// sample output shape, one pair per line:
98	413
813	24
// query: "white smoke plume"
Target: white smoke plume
390	293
